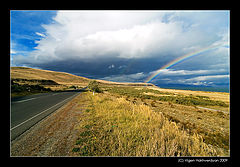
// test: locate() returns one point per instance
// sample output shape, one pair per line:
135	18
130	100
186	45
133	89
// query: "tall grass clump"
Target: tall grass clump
116	127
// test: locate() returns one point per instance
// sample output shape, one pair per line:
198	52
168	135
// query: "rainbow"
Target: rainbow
181	59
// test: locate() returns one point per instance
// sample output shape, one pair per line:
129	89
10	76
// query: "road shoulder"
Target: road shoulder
53	136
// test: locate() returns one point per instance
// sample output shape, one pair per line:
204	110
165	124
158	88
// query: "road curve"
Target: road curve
27	111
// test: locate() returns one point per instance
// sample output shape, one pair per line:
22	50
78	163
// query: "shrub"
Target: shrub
94	86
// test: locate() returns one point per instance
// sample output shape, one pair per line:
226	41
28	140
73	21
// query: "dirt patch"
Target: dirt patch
53	136
153	94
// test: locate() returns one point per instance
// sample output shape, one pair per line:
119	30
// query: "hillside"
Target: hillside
61	78
56	80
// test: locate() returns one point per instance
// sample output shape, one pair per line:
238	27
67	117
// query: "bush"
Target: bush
93	86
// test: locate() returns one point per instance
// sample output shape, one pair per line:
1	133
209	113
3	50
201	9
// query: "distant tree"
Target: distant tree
93	86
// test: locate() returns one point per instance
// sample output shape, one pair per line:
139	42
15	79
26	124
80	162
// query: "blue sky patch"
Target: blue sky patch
25	25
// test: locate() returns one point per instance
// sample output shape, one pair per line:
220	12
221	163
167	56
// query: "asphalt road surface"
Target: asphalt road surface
27	111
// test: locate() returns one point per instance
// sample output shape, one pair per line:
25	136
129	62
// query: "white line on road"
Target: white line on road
23	100
40	113
34	98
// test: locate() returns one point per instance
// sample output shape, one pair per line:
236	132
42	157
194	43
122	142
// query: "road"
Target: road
27	111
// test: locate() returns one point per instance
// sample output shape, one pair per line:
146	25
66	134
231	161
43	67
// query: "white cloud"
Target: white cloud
209	77
208	80
111	66
135	42
12	51
40	34
171	72
92	36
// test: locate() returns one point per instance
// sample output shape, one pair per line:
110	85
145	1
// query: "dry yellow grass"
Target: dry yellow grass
212	125
115	127
221	96
218	96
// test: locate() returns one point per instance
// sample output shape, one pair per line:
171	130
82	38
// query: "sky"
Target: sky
127	45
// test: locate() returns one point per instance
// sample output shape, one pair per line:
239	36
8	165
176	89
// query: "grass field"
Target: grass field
183	109
185	99
115	126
